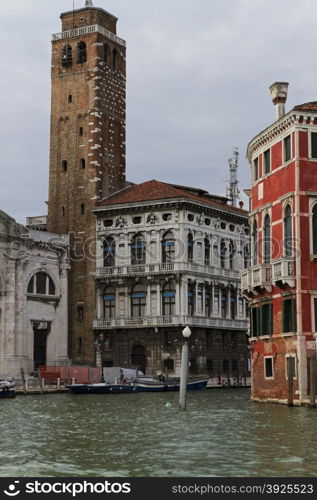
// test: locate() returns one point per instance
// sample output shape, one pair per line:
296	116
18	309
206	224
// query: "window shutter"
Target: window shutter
293	309
270	319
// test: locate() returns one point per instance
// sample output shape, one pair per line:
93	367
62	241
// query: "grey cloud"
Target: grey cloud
198	78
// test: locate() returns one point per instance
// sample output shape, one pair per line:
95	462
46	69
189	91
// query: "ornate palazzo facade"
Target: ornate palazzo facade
167	257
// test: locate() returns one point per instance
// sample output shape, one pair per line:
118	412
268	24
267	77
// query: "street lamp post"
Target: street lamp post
184	369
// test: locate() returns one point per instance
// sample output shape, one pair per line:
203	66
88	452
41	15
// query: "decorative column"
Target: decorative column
228	308
148	301
178	297
100	308
158	300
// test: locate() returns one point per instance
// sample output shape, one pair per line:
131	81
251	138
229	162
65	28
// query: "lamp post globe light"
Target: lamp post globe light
186	332
184	369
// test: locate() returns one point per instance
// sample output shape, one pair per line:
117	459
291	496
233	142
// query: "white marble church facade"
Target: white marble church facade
33	298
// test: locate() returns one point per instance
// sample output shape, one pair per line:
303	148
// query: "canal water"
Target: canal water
221	434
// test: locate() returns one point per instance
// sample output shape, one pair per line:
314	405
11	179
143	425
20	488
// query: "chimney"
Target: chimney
279	95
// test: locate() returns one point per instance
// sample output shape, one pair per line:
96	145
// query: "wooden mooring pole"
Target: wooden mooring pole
313	372
290	377
23	381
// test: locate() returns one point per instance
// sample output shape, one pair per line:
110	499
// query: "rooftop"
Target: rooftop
307	106
157	190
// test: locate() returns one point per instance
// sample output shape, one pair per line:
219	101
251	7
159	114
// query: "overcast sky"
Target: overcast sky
198	78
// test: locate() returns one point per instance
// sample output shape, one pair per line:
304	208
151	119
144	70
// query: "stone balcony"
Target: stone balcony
157	269
179	321
86	30
284	272
257	278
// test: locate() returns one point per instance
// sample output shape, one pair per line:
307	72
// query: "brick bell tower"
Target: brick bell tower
87	149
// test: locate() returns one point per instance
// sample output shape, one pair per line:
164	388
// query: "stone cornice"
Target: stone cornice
274	130
162	204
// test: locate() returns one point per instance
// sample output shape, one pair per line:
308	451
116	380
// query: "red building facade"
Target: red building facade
281	284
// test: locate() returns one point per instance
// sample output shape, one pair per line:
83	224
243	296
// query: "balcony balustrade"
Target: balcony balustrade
85	30
284	272
171	267
257	277
155	321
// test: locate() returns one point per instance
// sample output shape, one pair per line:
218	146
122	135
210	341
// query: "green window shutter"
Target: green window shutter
253	322
270	319
258	321
315	308
284	316
314	229
294	325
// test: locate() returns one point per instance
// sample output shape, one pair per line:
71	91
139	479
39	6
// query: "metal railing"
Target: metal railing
95	28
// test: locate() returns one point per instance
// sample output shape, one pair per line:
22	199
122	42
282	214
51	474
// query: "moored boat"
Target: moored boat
7	388
141	384
100	388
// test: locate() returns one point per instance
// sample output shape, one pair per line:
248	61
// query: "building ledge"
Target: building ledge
86	30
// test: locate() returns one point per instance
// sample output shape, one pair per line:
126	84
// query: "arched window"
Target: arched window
267	239
231	254
223	254
208	301
138	301
81	53
168	247
207	251
115	59
168	299
106	53
246	256
41	284
200	297
110	303
190	247
109	253
138	250
255	243
67	56
288	233
233	301
224	298
191	300
314	222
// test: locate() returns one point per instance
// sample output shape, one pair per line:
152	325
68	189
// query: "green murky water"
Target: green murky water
221	434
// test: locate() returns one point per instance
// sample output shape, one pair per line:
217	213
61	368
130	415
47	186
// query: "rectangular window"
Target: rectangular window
315	314
267	161
256	321
287	148
82	208
314	144
289	316
267	319
256	168
268	367
80	311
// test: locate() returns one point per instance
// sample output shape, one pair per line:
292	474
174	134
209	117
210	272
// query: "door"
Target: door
138	358
40	344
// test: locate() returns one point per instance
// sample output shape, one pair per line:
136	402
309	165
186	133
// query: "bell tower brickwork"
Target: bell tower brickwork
87	150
